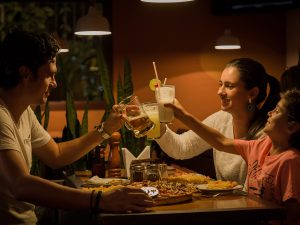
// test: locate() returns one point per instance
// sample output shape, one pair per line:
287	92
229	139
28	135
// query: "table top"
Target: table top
233	209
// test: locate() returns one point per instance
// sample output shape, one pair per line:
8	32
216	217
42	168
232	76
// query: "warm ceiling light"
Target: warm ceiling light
166	1
64	47
92	24
227	41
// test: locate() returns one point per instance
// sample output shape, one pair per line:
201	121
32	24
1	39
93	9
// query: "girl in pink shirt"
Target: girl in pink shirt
274	161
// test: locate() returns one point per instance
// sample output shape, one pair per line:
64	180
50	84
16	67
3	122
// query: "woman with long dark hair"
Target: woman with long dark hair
247	93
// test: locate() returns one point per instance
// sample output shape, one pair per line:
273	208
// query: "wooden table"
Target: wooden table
229	209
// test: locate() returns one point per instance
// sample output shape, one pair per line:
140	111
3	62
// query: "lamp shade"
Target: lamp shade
227	41
92	24
166	1
63	44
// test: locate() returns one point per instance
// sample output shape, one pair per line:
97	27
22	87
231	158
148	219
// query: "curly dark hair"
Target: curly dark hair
253	74
290	78
22	48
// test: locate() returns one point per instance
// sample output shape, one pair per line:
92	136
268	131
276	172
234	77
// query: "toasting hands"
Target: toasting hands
179	110
114	121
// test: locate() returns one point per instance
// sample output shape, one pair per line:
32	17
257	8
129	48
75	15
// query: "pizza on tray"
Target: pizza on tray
168	192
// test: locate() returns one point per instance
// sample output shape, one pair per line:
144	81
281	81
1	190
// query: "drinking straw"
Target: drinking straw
156	75
157	80
165	81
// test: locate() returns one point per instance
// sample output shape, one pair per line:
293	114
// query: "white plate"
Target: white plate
203	188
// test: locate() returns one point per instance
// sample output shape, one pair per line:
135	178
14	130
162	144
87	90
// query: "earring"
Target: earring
250	106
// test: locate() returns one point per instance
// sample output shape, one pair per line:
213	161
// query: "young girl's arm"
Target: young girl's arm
210	135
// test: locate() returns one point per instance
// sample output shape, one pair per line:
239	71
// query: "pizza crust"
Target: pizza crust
168	200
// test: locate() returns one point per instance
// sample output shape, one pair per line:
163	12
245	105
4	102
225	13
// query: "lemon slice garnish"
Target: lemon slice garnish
154	83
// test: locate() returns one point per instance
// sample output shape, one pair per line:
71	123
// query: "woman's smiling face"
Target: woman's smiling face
234	96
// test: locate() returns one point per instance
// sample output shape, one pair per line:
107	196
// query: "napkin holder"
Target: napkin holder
128	157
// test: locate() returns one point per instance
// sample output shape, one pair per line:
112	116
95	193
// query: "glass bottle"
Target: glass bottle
98	161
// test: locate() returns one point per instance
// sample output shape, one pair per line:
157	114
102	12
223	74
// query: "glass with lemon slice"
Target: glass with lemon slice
163	94
154	83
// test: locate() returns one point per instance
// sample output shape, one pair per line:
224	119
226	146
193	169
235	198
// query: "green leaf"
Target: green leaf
66	134
84	122
128	84
106	82
71	114
120	89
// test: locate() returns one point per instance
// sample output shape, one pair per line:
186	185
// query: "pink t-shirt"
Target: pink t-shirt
274	178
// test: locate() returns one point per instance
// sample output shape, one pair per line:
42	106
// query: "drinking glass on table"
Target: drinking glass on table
165	94
135	117
151	108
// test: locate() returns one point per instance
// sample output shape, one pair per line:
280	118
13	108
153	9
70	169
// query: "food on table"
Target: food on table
173	189
172	199
168	192
97	181
221	184
194	178
103	188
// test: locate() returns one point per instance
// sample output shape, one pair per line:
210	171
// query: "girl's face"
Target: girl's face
234	96
277	122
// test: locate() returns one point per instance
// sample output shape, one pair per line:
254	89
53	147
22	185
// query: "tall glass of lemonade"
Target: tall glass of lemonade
151	109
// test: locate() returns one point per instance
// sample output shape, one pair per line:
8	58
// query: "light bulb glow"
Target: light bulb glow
63	50
92	33
227	47
166	1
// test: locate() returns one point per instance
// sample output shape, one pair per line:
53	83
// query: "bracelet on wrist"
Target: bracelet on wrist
102	132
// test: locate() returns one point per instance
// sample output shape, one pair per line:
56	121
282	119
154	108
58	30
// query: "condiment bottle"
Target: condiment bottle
153	173
138	173
98	161
114	161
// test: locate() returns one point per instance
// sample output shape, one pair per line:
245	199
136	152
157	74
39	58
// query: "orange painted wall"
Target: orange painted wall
180	39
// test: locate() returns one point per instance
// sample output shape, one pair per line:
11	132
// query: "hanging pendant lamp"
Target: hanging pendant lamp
227	41
92	24
64	47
